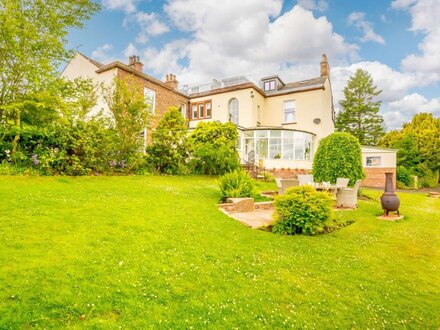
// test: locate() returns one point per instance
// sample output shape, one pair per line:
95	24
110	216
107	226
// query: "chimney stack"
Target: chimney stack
171	81
325	68
135	63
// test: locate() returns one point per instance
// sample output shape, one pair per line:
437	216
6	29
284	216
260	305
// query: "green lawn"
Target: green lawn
137	252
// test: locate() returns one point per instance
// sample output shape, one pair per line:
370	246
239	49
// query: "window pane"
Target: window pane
150	99
308	150
261	148
289	111
275	148
249	134
288	148
208	110
275	134
299	149
261	134
233	111
272	84
201	110
182	109
374	161
194	111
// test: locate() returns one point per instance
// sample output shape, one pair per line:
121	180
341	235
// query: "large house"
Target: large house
280	124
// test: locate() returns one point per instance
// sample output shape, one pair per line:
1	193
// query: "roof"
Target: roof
96	63
272	77
379	149
140	74
293	87
276	128
228	89
299	86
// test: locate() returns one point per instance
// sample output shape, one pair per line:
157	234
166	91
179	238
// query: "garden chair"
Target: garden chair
342	182
305	179
284	184
347	197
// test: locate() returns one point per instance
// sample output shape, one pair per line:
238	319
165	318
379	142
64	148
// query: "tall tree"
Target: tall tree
359	113
32	47
131	114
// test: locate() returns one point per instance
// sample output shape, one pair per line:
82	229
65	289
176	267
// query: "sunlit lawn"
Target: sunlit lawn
139	252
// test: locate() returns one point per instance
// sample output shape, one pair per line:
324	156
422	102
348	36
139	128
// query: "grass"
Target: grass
137	252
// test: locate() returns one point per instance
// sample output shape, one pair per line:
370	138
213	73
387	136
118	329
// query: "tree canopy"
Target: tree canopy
417	142
359	113
32	48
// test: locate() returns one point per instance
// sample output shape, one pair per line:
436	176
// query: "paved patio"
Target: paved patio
254	219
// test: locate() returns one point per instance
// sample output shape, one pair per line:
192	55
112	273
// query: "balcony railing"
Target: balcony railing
215	84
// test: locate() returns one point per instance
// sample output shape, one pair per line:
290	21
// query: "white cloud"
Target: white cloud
149	25
415	103
424	19
101	54
130	50
319	5
383	18
127	6
402	110
358	20
232	38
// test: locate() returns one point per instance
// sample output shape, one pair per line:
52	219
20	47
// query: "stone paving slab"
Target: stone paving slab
254	219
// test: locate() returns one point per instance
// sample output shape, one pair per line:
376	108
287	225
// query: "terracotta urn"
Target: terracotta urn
389	199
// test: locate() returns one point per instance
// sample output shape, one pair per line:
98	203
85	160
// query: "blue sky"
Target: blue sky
397	41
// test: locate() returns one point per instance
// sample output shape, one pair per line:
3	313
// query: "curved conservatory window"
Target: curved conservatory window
278	144
233	111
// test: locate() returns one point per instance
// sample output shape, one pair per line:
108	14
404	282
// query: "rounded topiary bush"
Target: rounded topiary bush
338	156
237	183
302	210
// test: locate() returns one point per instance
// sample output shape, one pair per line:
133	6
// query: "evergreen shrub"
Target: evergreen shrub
338	156
236	184
302	210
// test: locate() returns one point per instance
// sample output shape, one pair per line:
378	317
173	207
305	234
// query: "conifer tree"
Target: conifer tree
359	113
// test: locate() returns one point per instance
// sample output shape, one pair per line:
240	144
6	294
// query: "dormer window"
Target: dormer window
269	85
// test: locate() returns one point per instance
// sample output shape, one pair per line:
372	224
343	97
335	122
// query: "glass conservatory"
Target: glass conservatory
276	144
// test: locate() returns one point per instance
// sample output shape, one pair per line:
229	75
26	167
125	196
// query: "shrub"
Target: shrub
428	178
237	184
169	149
213	147
302	210
338	156
211	160
403	175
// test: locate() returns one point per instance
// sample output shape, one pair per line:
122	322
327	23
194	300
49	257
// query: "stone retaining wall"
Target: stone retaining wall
231	207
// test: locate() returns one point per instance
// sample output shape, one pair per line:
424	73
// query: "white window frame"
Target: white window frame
270	85
150	99
182	109
289	111
369	164
233	110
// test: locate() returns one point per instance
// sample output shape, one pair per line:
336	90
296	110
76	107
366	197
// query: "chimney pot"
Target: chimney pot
325	68
171	81
135	63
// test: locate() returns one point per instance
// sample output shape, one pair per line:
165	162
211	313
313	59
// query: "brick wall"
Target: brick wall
165	97
375	176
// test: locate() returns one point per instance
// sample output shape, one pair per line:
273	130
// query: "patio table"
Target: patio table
329	188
